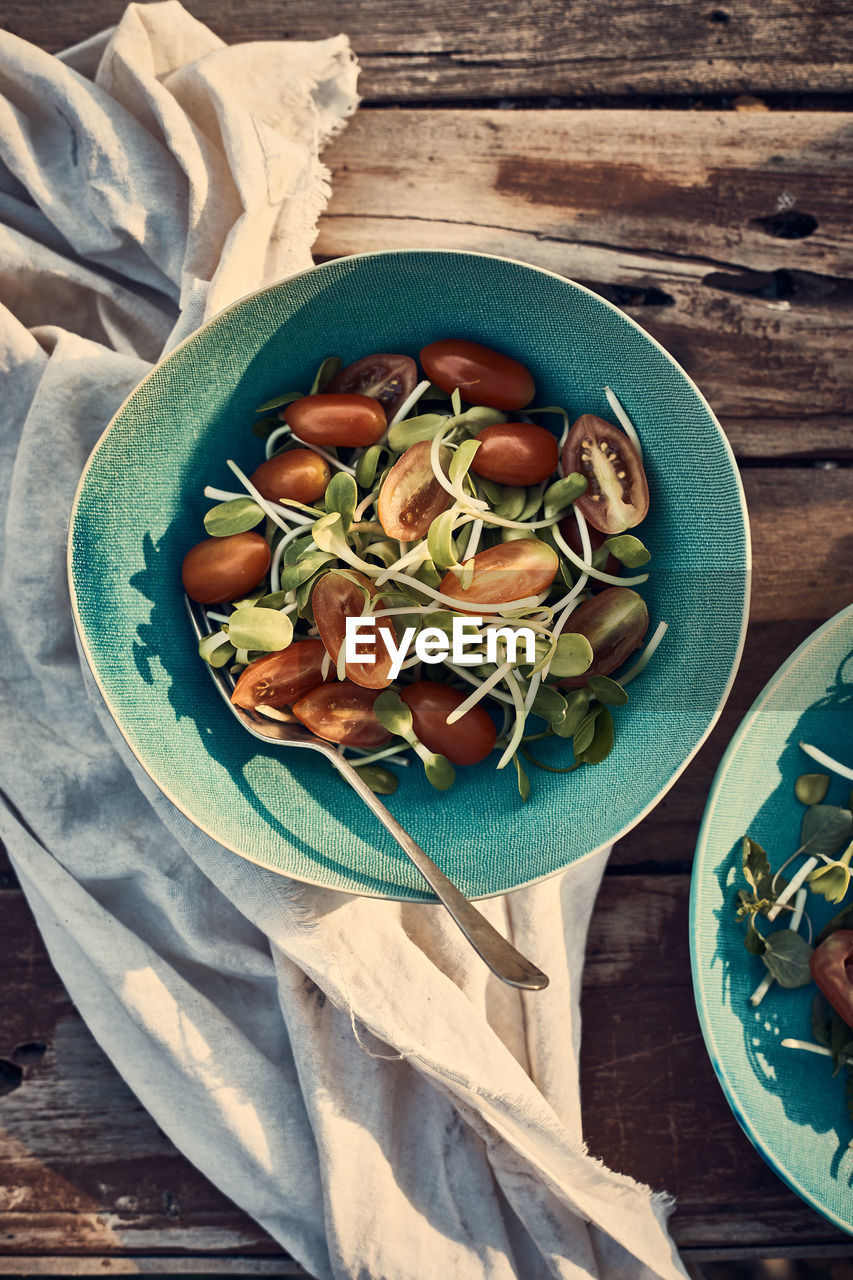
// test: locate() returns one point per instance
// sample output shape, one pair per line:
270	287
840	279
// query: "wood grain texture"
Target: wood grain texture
669	214
532	48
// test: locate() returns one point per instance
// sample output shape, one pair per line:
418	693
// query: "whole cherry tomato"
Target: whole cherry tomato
350	420
387	378
614	622
468	741
482	375
279	679
411	496
618	494
299	474
220	569
342	712
333	600
831	966
509	571
516	453
569	530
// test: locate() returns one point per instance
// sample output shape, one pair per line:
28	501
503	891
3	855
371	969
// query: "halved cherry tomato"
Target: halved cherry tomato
279	679
569	530
333	600
831	966
411	497
516	453
468	741
342	712
300	475
386	377
508	571
220	569
618	493
336	420
614	622
482	375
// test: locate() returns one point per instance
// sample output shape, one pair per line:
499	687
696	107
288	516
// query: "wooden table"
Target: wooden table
715	209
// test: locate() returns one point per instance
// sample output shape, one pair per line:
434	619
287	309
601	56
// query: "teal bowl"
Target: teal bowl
785	1100
140	505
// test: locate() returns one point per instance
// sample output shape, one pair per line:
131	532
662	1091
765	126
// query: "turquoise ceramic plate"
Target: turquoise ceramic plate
786	1101
140	507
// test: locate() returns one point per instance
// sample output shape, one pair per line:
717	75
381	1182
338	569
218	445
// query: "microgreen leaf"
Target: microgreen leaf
811	788
602	739
572	655
585	731
510	502
754	942
342	496
413	430
462	459
382	782
216	649
294	575
277	600
260	629
532	503
440	540
330	366
328	534
523	780
266	426
278	402
236	516
787	954
549	704
562	493
832	881
439	771
608	691
456	401
367	465
479	416
756	868
393	714
825	829
577	705
821	1019
628	550
842	920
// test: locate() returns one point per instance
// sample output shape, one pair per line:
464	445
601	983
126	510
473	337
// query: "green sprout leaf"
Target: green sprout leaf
550	705
440	540
608	691
216	649
577	706
572	656
756	868
602	740
382	782
628	550
328	534
264	427
811	788
462	459
367	466
342	497
456	401
393	714
523	780
330	366
236	516
787	956
439	771
510	502
585	732
261	629
294	575
754	942
825	829
278	402
562	493
413	430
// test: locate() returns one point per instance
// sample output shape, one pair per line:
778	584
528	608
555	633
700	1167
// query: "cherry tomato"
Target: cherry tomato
299	474
333	600
411	497
279	679
387	378
831	966
618	493
482	375
508	571
467	741
342	712
569	530
336	420
220	569
614	622
517	453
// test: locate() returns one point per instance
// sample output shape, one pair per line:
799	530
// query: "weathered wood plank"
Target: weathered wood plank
532	48
67	1265
681	218
87	1172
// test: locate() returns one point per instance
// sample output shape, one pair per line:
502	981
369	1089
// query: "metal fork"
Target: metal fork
501	956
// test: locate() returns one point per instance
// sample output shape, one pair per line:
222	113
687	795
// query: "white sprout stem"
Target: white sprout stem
598	574
414	555
382	755
473	539
217	617
409	402
631	674
790	1043
518	731
273	439
627	425
791	887
793	924
472	506
363	505
330	458
265	506
485	686
827	761
275	567
275	713
533	689
325	665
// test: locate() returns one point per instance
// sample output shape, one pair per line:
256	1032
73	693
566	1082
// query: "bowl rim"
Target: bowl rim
398	895
696	969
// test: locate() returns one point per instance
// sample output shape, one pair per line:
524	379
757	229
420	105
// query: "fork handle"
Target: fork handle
501	956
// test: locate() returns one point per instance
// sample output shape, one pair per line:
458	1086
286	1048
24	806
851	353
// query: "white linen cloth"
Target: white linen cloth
345	1069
